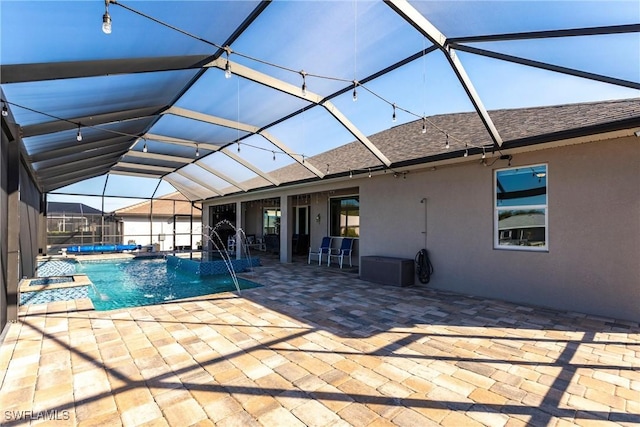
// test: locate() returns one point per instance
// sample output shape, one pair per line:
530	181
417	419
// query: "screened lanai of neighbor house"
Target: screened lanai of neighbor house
502	137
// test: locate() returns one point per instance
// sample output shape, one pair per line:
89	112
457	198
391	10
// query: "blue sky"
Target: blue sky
343	40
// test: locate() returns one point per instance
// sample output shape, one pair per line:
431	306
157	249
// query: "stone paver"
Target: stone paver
317	346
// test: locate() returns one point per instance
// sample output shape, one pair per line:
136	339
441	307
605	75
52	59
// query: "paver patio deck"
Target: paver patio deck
317	346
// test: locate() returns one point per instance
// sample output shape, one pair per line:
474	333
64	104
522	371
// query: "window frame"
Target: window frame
498	209
329	222
266	220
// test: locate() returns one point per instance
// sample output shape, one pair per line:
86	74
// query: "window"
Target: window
344	214
520	217
270	221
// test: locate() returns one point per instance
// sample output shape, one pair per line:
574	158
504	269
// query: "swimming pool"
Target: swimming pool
137	282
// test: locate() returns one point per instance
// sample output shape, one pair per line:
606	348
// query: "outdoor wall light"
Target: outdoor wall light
106	19
318	218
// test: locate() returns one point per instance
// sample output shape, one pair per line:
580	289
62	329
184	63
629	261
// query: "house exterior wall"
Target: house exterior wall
592	264
137	230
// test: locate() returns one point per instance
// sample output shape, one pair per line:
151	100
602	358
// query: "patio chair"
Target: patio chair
325	248
345	251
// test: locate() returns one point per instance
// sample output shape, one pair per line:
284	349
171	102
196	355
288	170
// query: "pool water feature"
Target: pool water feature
212	264
137	282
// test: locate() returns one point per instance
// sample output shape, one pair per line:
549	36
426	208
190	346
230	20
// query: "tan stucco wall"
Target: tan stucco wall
593	262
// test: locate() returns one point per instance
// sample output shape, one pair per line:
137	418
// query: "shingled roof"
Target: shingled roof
528	220
71	208
406	145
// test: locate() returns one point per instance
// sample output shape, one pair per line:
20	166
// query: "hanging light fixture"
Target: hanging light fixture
79	134
350	174
355	93
227	70
227	66
424	125
238	146
106	18
5	110
466	150
304	83
393	117
369	172
274	156
197	151
144	148
484	154
446	144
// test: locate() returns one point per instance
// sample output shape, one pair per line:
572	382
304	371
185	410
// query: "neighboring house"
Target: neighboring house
167	223
78	224
524	229
551	218
70	217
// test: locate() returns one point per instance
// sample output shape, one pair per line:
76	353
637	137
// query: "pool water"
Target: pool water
138	282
